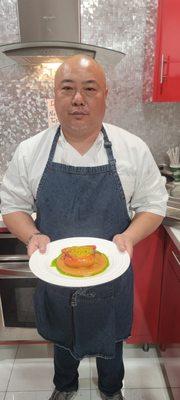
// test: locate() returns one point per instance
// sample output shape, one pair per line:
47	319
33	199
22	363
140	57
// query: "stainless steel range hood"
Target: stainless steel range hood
50	31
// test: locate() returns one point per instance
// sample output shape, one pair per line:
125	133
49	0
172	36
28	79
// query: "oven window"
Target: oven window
24	304
17	302
10	245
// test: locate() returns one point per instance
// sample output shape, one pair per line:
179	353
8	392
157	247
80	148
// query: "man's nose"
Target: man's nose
78	98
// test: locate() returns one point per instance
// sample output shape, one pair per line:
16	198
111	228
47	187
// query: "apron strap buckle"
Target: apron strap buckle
112	163
107	143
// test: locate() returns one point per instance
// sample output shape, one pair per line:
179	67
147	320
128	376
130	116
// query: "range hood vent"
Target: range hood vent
34	53
50	31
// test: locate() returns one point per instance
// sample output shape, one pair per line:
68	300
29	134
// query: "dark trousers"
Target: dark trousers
110	372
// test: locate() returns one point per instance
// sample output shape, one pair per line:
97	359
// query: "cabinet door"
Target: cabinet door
147	266
167	60
169	329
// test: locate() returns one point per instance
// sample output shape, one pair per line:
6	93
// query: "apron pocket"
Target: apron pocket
53	314
94	327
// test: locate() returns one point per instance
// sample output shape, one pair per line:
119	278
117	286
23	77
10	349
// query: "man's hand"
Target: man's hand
124	243
37	242
141	226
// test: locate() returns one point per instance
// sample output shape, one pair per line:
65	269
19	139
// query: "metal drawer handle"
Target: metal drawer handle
16	274
14	271
176	257
14	267
14	257
7	235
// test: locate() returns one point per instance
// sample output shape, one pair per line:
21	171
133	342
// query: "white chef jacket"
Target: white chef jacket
143	186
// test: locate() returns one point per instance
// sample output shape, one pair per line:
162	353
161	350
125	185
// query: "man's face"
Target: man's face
80	94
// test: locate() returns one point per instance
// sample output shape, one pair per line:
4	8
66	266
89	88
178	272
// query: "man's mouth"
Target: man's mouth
79	113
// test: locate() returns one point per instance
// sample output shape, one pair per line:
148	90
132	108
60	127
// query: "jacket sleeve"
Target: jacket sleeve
16	193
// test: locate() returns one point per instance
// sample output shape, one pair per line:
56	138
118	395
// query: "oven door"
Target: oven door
17	287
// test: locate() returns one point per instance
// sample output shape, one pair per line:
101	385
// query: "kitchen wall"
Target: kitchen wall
118	24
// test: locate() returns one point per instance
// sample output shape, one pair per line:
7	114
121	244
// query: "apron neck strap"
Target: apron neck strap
54	143
108	148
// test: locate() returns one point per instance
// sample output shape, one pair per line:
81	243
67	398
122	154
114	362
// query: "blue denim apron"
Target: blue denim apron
83	201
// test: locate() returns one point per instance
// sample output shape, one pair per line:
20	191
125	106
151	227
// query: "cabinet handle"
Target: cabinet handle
176	257
162	75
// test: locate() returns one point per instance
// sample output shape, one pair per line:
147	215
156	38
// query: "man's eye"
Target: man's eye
67	88
90	89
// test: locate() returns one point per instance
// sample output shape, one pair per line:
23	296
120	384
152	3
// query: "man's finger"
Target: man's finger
121	246
42	243
120	243
42	247
32	247
38	242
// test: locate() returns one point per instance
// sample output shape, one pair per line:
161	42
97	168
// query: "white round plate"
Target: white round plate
40	264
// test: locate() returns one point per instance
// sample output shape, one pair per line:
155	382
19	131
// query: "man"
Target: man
84	178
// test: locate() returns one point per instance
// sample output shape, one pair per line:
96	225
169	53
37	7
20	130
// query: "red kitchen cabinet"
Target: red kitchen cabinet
147	265
167	56
169	326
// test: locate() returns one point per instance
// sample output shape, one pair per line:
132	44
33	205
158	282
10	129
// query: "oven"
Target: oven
17	287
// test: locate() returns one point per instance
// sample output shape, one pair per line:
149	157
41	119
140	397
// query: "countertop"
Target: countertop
174	233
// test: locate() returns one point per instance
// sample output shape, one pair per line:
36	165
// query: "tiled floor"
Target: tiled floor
26	373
